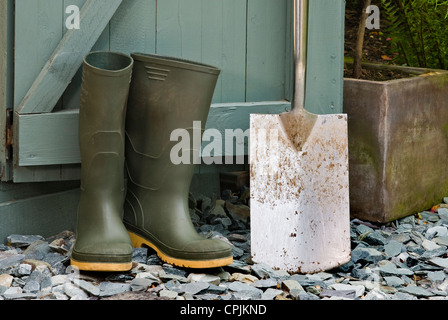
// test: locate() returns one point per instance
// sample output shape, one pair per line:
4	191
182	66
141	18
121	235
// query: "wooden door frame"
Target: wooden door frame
6	84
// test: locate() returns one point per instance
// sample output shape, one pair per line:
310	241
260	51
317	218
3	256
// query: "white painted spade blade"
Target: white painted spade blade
300	215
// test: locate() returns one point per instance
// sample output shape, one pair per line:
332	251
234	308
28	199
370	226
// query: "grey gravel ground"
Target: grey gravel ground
402	260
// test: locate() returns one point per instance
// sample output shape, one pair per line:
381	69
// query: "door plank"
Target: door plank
56	144
211	32
179	29
71	97
65	61
266	50
6	80
37	33
325	72
133	27
224	46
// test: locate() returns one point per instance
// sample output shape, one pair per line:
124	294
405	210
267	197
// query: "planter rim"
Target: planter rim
417	72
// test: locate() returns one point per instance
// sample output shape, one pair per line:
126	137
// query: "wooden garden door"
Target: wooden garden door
250	40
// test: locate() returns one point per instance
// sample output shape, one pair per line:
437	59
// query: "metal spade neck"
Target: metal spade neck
300	53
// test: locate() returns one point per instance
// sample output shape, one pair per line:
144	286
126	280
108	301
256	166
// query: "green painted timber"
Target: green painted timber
325	82
61	67
250	40
6	78
45	209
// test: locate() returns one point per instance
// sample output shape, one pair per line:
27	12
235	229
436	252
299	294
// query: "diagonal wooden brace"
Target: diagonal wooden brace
67	58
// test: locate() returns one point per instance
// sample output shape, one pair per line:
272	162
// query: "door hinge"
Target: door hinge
9	133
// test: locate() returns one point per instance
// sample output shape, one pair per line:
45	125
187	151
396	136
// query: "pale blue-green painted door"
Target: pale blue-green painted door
250	40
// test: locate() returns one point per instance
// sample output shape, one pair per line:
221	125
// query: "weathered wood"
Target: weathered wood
266	50
5	52
58	133
47	173
179	29
133	27
71	97
38	31
249	40
6	80
237	117
57	142
224	45
325	70
212	32
65	61
45	215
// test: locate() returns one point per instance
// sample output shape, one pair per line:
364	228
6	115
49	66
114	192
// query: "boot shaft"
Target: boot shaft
166	94
105	89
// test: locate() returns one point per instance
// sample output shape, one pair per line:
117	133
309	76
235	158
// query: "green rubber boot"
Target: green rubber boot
166	94
103	243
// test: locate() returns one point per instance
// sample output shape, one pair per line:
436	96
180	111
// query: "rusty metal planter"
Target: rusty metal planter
398	143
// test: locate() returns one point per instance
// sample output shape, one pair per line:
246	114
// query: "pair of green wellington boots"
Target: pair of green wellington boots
132	194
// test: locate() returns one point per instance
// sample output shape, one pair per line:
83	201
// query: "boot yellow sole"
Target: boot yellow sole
138	242
101	266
